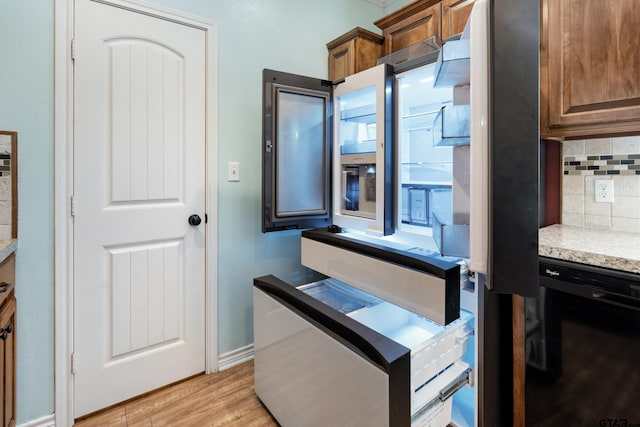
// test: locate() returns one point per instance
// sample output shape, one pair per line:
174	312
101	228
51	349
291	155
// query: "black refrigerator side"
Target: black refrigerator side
296	151
513	227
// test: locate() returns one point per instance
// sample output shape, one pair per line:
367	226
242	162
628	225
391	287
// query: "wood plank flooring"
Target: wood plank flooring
225	398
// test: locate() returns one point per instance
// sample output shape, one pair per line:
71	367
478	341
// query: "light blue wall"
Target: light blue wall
255	34
288	35
26	106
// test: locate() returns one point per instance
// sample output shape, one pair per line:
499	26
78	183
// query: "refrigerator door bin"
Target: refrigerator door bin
411	54
423	285
452	126
453	66
451	239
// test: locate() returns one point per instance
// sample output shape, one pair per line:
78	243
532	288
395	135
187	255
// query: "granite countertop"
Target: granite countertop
7	247
609	249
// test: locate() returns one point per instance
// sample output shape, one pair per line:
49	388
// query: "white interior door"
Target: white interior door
139	173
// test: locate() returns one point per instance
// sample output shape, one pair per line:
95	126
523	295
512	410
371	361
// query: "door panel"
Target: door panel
146	85
296	147
139	173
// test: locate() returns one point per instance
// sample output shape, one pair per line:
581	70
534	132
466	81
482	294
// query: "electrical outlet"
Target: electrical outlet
604	190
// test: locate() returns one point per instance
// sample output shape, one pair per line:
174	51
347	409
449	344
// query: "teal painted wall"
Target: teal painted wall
288	35
26	106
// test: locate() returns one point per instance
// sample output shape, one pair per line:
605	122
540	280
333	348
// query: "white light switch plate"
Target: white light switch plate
233	172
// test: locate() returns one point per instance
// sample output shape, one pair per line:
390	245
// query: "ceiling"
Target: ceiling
381	3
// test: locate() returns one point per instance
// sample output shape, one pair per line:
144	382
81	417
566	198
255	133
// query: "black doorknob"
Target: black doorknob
195	220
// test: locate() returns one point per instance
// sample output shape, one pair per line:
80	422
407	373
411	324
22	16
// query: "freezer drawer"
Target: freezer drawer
424	285
329	354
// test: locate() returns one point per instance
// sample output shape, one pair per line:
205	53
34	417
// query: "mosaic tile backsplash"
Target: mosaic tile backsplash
586	161
5	187
605	164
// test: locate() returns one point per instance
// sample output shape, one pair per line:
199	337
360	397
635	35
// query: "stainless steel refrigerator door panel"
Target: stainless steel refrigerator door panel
413	290
301	371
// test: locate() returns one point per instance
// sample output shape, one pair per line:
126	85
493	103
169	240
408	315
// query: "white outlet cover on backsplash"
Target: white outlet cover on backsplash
614	159
604	190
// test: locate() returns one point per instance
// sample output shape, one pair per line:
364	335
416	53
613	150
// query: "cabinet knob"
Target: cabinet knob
4	333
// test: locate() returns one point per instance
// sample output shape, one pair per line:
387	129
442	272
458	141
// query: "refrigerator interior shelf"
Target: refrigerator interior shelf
419	121
364	114
359	147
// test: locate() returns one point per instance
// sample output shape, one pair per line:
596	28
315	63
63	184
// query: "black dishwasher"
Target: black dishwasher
583	347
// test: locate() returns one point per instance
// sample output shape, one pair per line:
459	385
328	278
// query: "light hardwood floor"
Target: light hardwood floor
225	398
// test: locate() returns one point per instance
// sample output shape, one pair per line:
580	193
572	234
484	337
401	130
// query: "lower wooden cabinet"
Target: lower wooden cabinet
7	343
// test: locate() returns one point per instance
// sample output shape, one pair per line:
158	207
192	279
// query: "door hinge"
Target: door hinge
74	362
73	49
206	218
73	206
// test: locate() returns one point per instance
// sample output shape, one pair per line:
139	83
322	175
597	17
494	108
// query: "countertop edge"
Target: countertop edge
600	248
598	260
7	247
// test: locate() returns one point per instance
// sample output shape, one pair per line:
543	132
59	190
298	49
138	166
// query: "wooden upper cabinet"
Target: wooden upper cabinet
455	14
353	52
589	68
411	24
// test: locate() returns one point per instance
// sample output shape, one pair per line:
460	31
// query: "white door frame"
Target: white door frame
63	190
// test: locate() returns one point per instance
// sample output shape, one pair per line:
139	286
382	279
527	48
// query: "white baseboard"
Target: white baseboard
48	421
235	357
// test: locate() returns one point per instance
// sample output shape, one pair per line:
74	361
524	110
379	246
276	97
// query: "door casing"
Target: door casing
63	190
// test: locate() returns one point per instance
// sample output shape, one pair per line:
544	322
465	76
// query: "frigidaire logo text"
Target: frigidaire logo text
552	273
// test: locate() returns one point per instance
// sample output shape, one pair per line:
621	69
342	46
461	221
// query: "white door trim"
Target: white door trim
63	190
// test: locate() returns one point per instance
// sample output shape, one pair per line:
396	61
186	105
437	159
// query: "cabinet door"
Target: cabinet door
342	60
353	52
590	62
454	16
411	24
7	361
